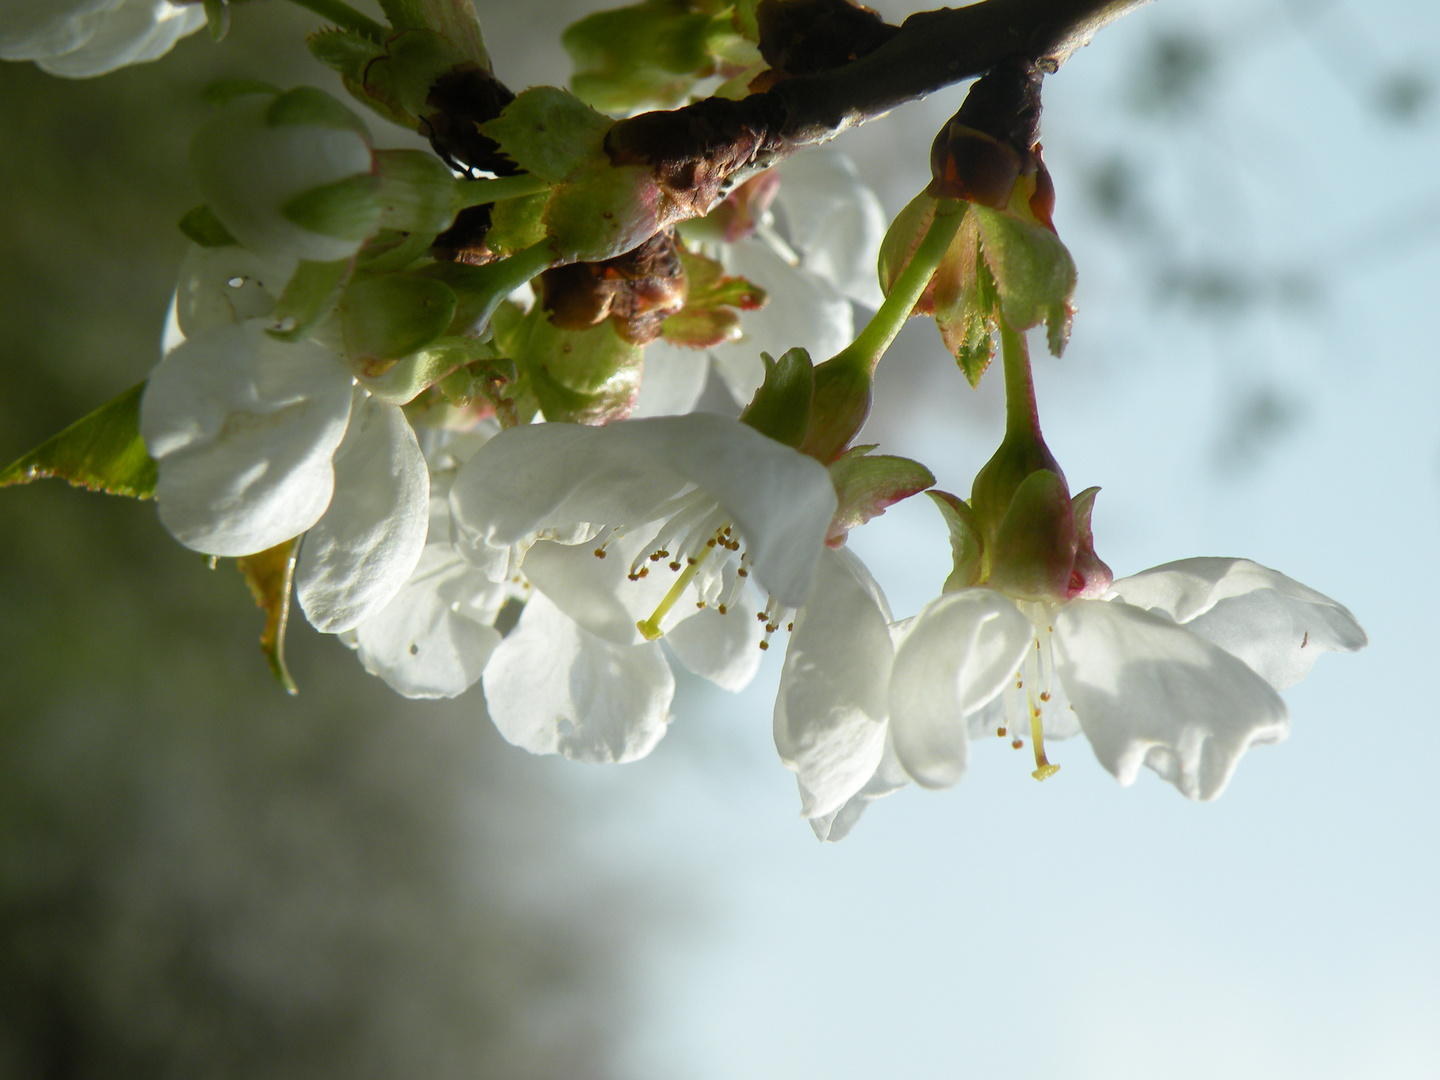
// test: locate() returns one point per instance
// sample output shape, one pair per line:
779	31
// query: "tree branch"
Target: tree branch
699	148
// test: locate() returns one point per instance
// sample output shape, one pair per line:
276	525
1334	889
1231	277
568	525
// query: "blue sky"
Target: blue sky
1078	929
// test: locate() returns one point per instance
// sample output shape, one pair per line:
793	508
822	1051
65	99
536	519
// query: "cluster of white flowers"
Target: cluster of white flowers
668	535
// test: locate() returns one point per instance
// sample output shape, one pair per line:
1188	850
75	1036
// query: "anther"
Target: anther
1000	731
600	554
1018	744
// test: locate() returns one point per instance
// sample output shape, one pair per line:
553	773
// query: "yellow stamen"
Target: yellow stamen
1043	769
650	628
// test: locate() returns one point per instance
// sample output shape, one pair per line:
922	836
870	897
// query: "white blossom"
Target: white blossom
1175	669
635	532
81	38
813	254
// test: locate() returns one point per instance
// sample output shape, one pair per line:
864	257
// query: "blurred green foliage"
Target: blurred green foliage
199	876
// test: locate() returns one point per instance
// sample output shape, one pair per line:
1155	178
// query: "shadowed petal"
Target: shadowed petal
831	709
555	688
1273	623
961	650
1150	692
243	428
363	548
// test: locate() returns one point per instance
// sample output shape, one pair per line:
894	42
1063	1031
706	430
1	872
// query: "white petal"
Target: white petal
831	709
30	29
722	648
546	476
803	311
1150	692
356	557
132	33
224	285
243	428
555	688
834	220
1276	625
889	778
959	654
673	382
434	638
597	593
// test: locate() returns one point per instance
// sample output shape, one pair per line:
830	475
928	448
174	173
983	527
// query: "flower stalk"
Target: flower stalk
867	348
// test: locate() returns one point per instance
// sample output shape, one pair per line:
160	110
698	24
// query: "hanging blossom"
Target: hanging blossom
259	439
661	529
81	38
1176	669
808	232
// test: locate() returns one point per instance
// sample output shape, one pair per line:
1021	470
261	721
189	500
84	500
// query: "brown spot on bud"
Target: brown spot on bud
636	290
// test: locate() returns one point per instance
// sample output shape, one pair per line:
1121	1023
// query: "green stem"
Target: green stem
867	349
1021	415
480	192
343	15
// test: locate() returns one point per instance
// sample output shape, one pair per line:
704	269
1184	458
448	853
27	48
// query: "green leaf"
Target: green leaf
345	51
1034	273
101	452
394	315
865	486
550	133
204	228
403	381
781	406
270	574
966	547
967	304
400	81
309	297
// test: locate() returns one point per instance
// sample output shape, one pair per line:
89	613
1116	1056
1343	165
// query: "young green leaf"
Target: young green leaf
101	452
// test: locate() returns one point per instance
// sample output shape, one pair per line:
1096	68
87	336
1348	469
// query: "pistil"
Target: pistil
650	628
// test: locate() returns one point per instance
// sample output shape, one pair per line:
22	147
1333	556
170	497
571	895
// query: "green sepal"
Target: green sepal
481	290
866	485
838	409
100	452
390	250
903	237
1034	273
270	575
217	19
348	209
745	21
309	297
417	192
346	52
967	549
392	315
650	54
224	91
550	133
403	381
306	106
603	211
1034	548
516	224
781	406
202	227
586	376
